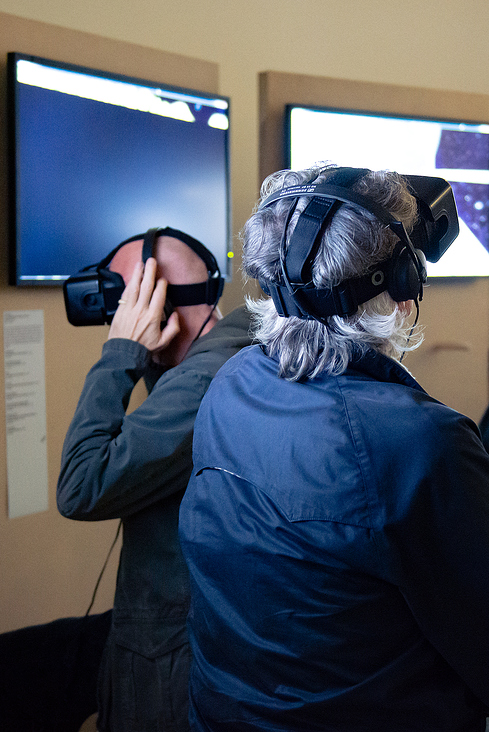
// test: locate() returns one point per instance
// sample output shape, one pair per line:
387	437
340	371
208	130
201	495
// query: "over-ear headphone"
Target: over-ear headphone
403	274
92	295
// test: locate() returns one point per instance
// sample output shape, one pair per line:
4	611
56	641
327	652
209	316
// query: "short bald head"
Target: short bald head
177	263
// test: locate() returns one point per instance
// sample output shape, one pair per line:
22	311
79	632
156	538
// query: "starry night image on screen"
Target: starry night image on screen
468	151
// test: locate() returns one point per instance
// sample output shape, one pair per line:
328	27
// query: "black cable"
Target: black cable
103	569
412	328
204	323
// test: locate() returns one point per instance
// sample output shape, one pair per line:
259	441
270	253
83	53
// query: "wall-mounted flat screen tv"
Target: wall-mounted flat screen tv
96	158
455	151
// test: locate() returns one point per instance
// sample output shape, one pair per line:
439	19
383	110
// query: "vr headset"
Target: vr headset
402	275
92	295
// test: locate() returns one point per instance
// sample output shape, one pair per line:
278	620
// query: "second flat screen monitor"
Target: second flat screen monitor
456	151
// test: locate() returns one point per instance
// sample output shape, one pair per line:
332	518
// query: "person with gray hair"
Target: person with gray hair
351	245
336	524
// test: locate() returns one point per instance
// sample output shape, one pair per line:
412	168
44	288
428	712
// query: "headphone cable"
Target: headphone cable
412	329
103	569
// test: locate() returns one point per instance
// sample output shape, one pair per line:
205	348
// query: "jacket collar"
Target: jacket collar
382	368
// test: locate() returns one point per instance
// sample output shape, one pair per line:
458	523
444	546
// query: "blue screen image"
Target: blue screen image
94	167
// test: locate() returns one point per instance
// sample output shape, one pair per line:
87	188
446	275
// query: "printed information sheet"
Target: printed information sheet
25	412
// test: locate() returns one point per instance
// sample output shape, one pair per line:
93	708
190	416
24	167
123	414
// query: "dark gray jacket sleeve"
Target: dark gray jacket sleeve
115	464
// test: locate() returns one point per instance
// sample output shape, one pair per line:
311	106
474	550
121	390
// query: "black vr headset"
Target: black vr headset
402	275
92	295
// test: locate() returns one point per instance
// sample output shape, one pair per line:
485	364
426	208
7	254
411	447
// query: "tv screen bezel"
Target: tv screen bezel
14	247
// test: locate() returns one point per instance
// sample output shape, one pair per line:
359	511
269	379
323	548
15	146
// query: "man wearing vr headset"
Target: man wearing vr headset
136	467
336	524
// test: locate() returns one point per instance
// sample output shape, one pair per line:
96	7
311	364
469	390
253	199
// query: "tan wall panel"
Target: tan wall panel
48	564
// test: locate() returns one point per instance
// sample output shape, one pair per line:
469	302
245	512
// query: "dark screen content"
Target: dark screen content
107	171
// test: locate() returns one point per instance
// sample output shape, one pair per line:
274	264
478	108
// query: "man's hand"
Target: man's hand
141	310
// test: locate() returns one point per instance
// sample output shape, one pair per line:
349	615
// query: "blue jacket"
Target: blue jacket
337	537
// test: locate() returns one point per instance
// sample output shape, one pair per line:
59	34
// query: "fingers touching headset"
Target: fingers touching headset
142	309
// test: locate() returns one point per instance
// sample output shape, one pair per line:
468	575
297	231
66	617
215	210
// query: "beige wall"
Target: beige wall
48	565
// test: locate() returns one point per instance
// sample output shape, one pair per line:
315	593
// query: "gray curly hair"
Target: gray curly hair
353	242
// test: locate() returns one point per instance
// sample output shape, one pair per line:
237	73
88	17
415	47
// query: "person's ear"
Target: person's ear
405	307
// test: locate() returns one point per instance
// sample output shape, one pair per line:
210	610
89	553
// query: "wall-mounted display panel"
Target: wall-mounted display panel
96	157
457	151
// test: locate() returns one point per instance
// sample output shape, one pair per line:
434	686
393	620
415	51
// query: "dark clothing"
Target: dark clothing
159	684
337	536
49	674
484	429
136	467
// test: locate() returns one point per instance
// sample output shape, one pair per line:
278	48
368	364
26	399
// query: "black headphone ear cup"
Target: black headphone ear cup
405	281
